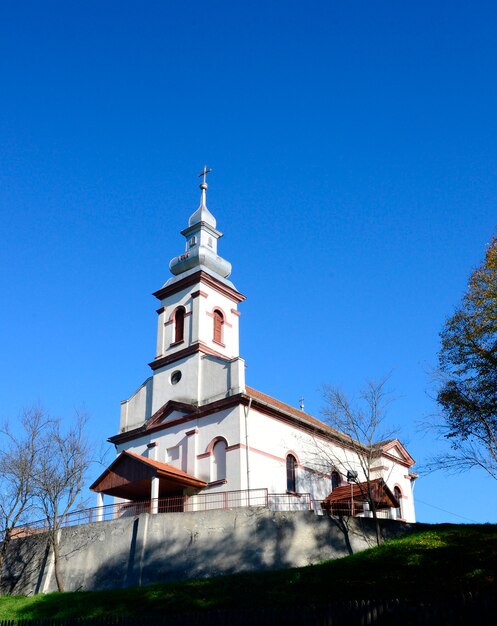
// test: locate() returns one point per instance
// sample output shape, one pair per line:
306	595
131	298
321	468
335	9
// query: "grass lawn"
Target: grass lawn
439	560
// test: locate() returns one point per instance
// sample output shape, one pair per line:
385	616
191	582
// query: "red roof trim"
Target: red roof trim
265	404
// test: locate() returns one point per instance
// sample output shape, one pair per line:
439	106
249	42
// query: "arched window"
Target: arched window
398	495
335	480
291	465
179	325
218	326
219	461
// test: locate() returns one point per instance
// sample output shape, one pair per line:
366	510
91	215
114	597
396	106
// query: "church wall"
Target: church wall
271	440
173	442
274	439
199	321
186	390
165	339
225	425
204	378
137	408
134	551
207	305
396	475
220	378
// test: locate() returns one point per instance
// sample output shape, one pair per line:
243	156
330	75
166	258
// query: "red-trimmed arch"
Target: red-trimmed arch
219	319
177	317
213	442
397	492
292	464
217	449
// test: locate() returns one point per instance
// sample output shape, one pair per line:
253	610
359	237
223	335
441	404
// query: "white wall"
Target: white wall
194	451
271	440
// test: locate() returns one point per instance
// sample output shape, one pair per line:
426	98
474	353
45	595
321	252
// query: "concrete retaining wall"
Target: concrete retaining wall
171	546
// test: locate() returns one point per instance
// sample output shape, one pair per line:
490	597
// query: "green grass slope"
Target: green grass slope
439	560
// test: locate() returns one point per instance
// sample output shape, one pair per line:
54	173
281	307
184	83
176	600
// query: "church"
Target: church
195	436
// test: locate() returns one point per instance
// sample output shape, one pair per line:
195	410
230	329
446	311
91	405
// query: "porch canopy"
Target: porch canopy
130	477
353	496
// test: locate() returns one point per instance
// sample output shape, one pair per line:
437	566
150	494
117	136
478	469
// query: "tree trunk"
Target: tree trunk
56	560
377	526
3	549
342	524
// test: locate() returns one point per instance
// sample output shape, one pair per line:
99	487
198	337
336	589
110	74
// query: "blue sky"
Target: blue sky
354	154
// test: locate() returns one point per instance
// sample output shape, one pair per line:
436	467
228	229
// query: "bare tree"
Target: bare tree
59	476
362	428
20	445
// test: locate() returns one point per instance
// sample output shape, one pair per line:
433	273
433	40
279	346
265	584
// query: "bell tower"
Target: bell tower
197	357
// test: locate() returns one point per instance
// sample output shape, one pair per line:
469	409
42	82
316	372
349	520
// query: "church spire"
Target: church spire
201	241
202	214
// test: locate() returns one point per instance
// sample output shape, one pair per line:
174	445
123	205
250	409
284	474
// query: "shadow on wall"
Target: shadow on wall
25	560
243	541
132	552
210	547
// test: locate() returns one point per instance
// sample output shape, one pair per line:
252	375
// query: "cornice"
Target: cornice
194	414
243	399
194	279
196	347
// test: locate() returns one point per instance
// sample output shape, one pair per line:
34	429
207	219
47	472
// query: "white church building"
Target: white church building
195	435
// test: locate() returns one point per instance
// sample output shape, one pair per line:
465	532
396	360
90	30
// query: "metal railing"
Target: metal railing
213	501
289	502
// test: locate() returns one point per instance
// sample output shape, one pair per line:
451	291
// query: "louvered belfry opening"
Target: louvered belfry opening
218	326
179	325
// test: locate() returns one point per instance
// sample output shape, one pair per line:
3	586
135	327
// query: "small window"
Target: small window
192	242
219	461
335	480
218	326
291	465
398	497
179	325
175	377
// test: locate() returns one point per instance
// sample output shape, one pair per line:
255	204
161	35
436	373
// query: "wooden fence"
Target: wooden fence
465	609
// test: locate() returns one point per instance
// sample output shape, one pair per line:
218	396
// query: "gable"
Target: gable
129	476
395	451
170	411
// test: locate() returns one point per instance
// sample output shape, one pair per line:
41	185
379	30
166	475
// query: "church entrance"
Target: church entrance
146	483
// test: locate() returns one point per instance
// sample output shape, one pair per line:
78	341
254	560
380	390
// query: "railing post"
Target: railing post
100	505
154	495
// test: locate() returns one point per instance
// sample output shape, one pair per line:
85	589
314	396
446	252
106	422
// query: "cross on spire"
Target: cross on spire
204	172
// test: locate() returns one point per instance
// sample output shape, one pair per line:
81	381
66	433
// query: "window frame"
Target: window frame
335	478
291	473
397	492
218	326
179	325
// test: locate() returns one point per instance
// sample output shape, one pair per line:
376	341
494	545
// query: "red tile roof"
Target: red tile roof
164	468
312	421
299	414
379	490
